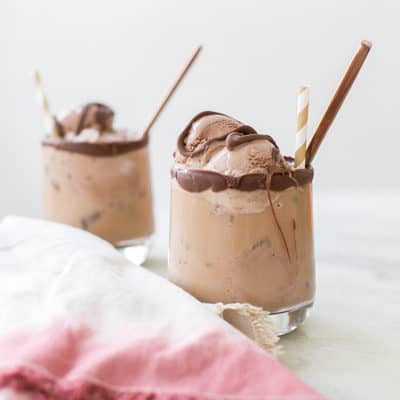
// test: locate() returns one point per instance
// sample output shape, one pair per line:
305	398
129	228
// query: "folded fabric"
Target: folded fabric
78	321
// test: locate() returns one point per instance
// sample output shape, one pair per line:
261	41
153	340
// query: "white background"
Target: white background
256	53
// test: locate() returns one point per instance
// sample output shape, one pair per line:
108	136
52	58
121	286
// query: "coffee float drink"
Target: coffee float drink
241	218
97	177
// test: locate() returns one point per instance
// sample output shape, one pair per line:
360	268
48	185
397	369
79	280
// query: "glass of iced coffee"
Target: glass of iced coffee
241	226
97	178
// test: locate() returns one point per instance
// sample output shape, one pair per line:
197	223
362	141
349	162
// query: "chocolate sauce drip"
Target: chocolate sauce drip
268	180
96	149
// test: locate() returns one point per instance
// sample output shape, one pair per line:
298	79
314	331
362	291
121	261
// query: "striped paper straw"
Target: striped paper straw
49	124
303	100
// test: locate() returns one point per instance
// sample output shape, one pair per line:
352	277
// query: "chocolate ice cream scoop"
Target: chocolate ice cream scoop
219	152
217	142
205	134
253	156
209	127
96	116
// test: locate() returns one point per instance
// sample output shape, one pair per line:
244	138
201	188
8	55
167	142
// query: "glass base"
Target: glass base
135	250
287	321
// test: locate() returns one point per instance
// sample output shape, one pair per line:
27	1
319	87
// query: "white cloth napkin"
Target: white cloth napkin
77	320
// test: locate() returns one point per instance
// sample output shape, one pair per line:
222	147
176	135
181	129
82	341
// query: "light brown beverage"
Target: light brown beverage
98	180
221	253
241	220
109	196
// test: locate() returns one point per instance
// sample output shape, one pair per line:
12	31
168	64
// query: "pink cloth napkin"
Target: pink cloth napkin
77	321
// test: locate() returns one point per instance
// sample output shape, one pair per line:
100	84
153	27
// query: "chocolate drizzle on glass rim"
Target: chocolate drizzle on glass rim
197	180
96	149
101	117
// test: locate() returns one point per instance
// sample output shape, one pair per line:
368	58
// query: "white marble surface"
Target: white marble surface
349	348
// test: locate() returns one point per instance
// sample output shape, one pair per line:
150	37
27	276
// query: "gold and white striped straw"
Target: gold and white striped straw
49	123
303	100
